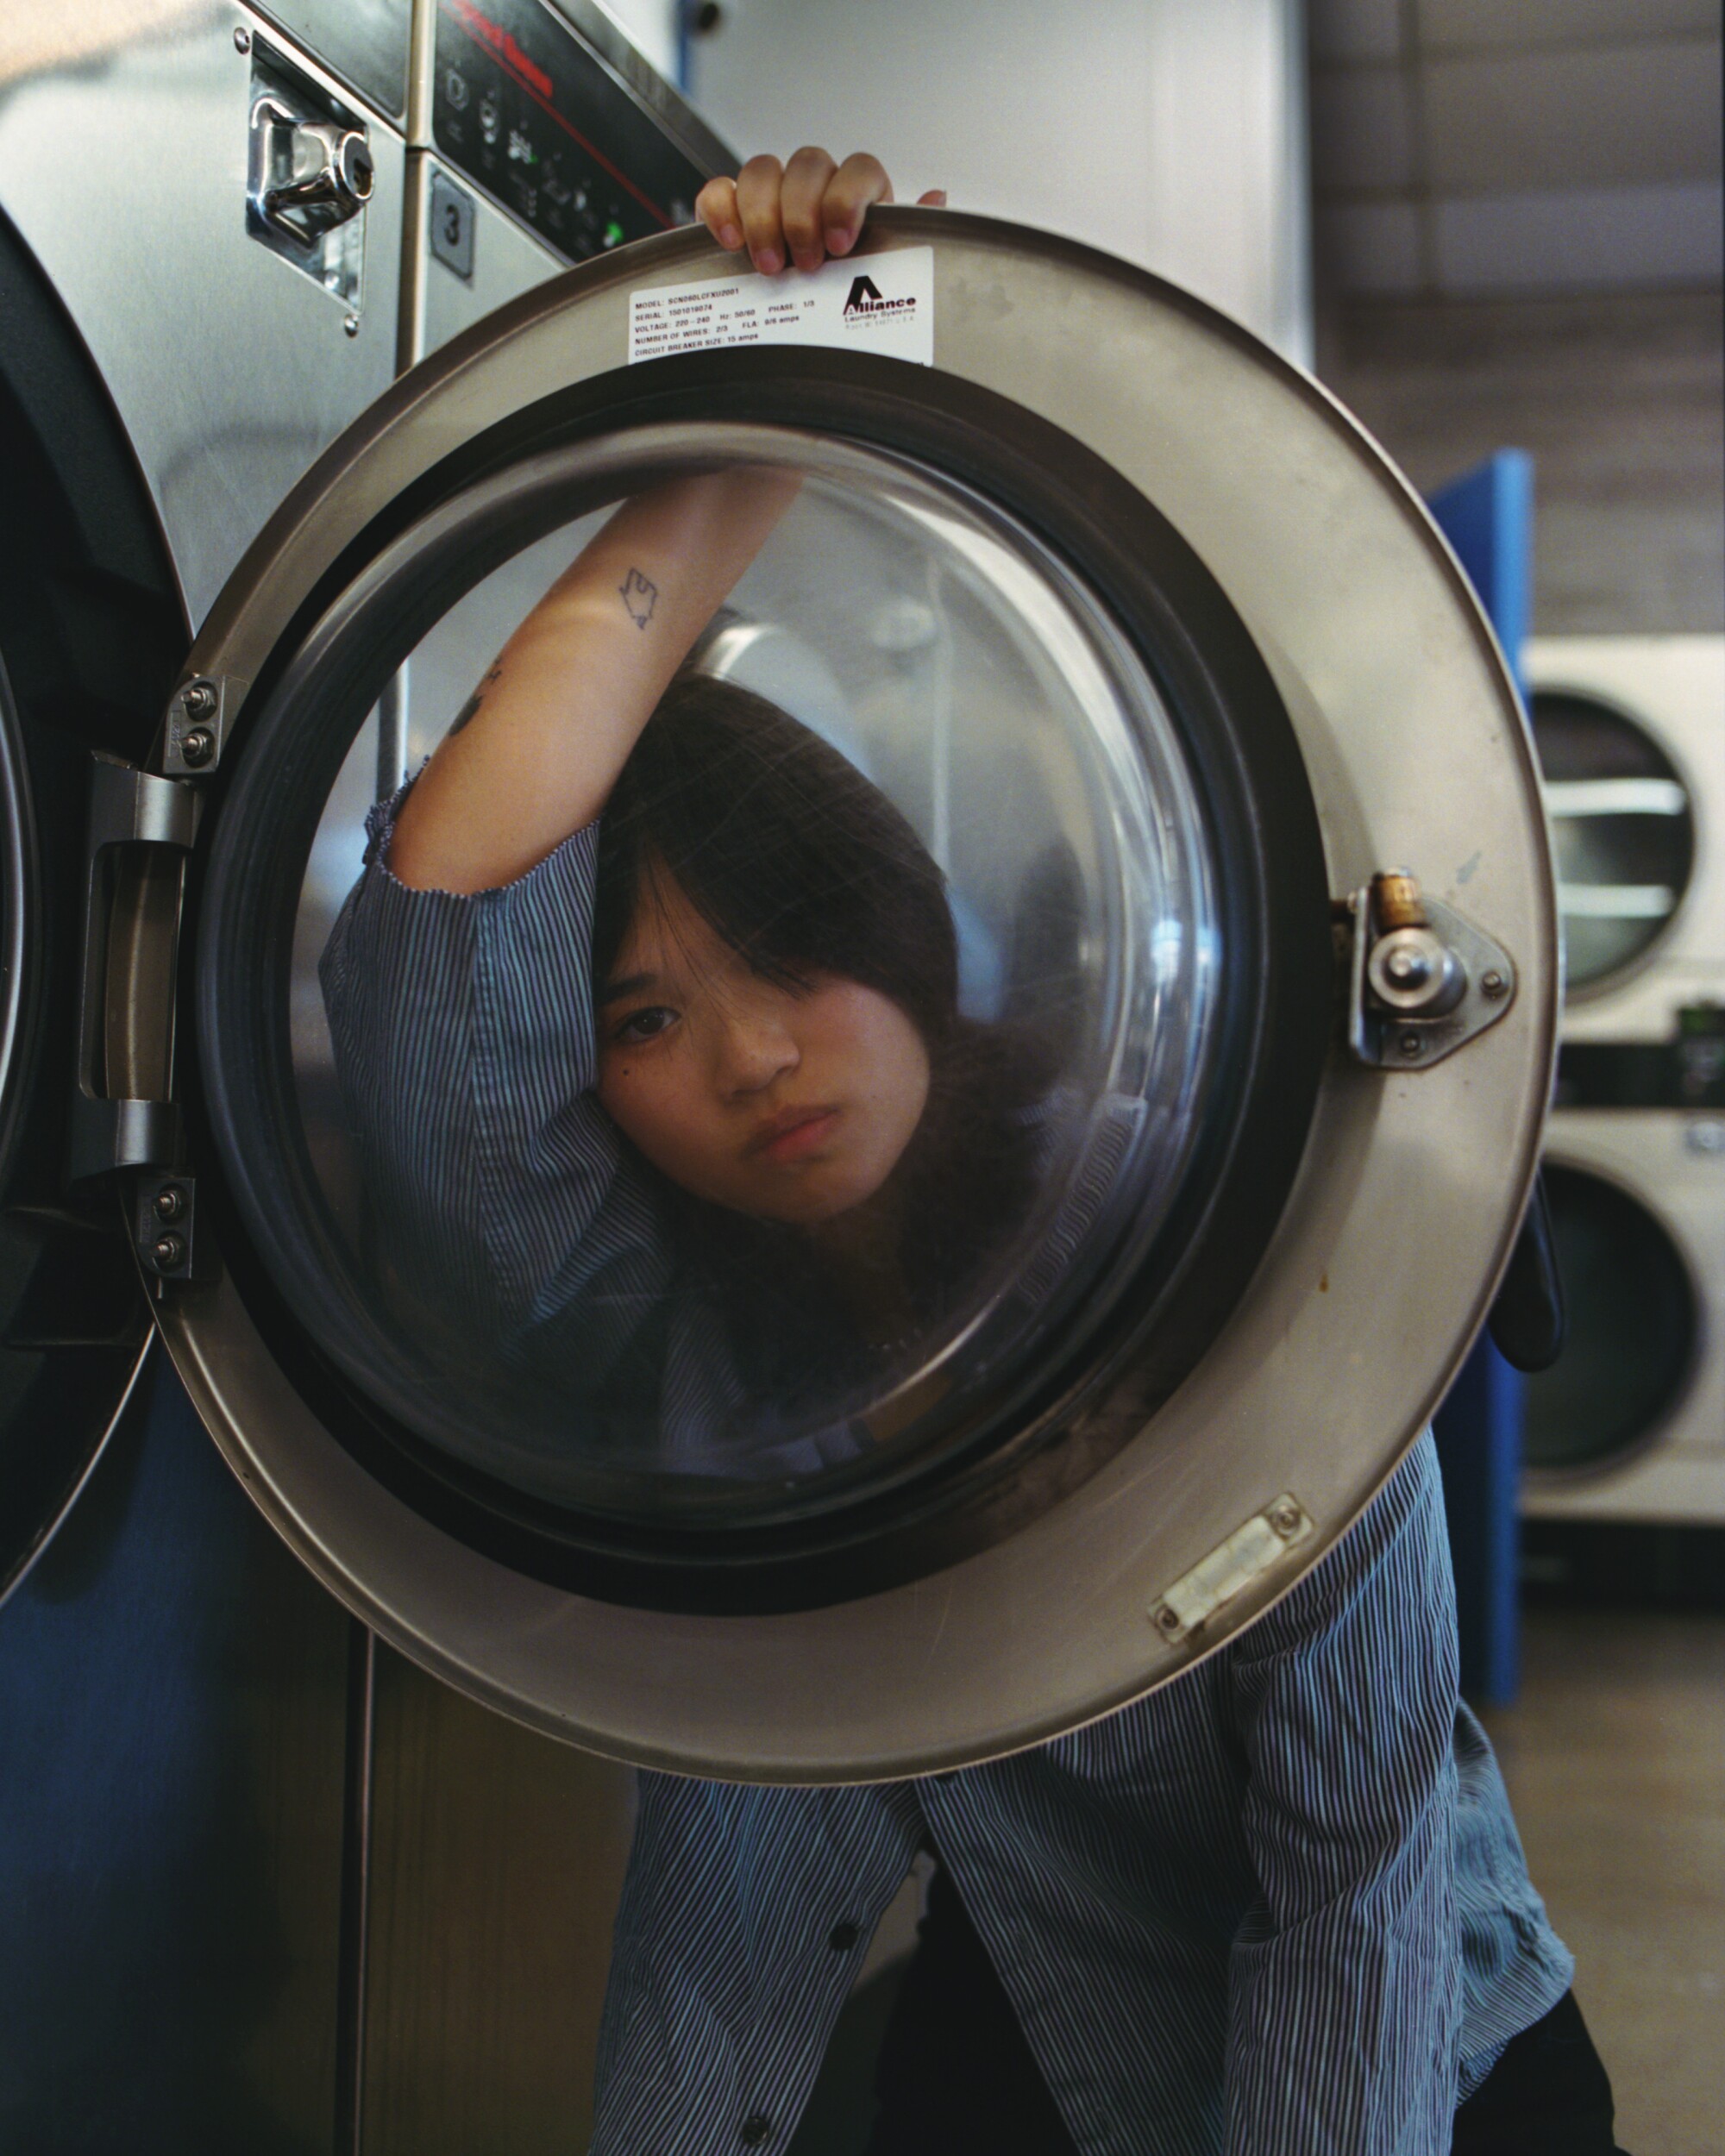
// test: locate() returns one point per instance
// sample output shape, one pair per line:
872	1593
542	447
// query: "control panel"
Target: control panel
522	106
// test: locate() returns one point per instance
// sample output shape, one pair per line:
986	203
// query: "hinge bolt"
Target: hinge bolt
168	1250
198	747
242	39
1167	1619
1285	1519
169	1202
1493	986
1410	1044
199	701
351	324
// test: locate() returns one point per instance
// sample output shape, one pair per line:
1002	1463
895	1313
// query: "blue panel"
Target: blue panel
172	1745
1487	516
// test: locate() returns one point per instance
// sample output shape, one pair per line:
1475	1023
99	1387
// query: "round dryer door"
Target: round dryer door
951	1196
1623	832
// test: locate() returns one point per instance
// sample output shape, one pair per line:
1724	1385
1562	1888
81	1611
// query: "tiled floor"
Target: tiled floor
1615	1756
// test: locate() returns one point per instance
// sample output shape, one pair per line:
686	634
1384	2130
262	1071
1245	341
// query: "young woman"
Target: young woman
778	1159
1279	1906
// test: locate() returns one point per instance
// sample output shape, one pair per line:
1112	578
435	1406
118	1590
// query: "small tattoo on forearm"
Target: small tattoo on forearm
469	710
639	597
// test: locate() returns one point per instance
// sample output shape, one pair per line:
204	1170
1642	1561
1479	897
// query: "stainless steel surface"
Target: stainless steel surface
1302	1390
497	1860
229	370
1673	689
505	259
365	42
1675	1471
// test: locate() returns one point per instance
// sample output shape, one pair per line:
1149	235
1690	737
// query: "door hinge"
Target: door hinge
165	1224
140	830
1231	1567
1422	980
195	732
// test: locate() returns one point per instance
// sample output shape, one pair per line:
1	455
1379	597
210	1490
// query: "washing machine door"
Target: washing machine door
74	1324
1103	816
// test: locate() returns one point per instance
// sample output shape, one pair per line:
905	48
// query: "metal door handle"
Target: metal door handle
330	174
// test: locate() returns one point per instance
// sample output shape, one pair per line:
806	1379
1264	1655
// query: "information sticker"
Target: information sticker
881	302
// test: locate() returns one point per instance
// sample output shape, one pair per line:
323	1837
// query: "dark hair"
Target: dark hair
802	865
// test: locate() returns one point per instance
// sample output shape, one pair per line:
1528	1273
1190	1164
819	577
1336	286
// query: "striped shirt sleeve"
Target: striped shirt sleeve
464	1038
1345	1978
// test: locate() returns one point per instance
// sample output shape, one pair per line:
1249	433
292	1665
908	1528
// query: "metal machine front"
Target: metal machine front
212	259
1256	1021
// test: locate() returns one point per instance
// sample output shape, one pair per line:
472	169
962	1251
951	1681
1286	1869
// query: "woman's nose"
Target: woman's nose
755	1048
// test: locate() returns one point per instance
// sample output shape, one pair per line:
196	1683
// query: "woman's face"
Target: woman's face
790	1105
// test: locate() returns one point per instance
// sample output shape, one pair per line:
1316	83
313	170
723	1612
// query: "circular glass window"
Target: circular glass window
781	1002
1631	1327
1622	828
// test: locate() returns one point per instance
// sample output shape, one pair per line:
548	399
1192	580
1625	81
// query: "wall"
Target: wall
1170	132
1620	398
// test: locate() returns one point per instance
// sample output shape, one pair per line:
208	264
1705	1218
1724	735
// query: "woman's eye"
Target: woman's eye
648	1024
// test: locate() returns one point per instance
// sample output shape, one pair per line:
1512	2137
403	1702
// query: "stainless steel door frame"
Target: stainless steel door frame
1386	1259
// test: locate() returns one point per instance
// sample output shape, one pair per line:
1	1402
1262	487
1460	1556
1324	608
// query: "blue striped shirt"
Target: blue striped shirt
1278	1906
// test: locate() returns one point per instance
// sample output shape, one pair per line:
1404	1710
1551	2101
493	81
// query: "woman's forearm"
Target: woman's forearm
557	715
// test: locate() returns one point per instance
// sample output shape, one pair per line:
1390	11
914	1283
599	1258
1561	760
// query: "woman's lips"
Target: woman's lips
795	1133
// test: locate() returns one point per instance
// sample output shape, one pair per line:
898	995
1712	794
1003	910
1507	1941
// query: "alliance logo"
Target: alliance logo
865	301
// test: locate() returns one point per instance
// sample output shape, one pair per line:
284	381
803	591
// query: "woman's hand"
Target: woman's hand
801	212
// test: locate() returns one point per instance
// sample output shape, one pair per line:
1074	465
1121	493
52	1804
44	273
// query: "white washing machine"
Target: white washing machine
1629	1423
1631	734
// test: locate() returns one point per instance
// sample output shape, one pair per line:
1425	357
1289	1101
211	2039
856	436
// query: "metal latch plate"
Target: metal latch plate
1231	1567
1391	1040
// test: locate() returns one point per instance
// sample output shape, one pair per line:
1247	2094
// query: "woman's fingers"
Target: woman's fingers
801	206
800	212
859	182
760	187
716	207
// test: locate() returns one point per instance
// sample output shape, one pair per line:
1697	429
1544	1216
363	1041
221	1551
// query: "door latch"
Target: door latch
1422	979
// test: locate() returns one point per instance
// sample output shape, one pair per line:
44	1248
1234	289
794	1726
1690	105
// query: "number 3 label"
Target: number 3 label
452	225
